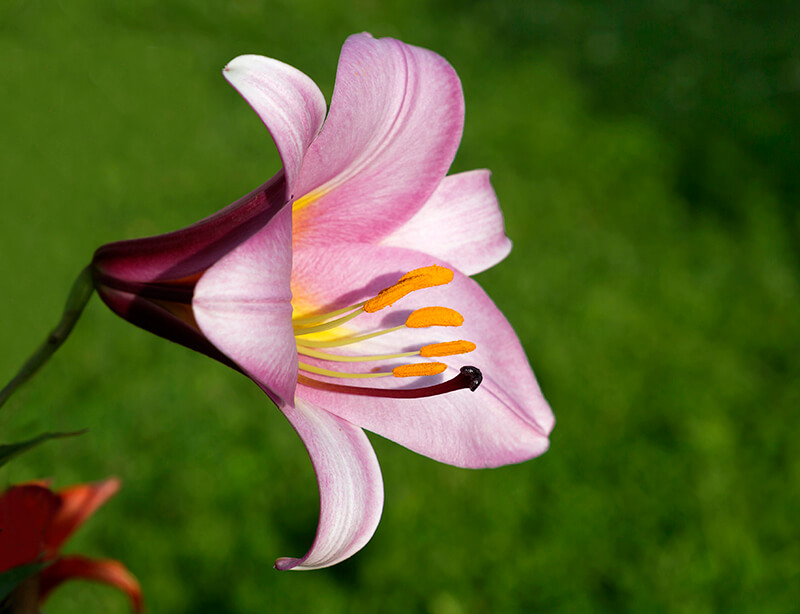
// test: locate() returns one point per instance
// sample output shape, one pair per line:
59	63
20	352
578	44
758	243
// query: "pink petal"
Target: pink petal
243	306
392	132
77	504
190	251
112	573
460	224
506	420
158	319
286	100
350	486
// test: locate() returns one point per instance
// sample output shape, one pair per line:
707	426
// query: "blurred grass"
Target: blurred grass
646	161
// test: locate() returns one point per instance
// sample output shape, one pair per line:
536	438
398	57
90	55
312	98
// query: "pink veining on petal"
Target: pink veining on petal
393	129
293	108
288	102
374	174
506	420
350	486
242	304
461	224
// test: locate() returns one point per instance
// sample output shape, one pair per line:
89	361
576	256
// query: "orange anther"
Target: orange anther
412	281
448	348
389	295
419	369
434	316
435	274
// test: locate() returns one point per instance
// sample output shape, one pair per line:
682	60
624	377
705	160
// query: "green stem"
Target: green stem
81	291
24	599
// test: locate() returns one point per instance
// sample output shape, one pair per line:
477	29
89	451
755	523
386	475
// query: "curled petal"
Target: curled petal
77	504
112	573
506	420
287	101
350	486
242	304
394	125
461	224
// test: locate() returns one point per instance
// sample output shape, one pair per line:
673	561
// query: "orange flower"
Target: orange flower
34	524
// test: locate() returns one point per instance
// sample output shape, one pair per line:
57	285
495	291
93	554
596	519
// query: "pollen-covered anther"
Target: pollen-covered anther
425	277
434	316
419	369
435	274
447	348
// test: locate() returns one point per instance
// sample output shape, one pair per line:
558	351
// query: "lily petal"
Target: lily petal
288	102
158	319
461	224
506	420
77	504
350	486
394	125
190	251
243	306
105	571
25	512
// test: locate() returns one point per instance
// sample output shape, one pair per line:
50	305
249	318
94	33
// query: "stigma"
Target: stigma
319	337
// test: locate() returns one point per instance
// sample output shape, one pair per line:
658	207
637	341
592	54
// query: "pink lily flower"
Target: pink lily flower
34	524
295	284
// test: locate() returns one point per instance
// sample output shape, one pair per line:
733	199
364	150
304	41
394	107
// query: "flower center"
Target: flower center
316	335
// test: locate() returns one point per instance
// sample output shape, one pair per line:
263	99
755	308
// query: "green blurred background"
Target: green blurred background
645	154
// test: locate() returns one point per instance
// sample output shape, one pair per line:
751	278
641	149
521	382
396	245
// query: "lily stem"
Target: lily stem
81	292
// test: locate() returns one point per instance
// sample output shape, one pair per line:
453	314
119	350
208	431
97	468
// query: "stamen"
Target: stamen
437	275
307	330
340	358
413	370
421	318
345	340
426	277
468	377
329	373
306	320
418	279
448	348
419	369
434	316
388	296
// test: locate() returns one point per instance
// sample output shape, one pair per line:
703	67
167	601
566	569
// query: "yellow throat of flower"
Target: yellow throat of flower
316	334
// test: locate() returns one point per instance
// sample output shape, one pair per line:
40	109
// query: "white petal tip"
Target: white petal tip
248	62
